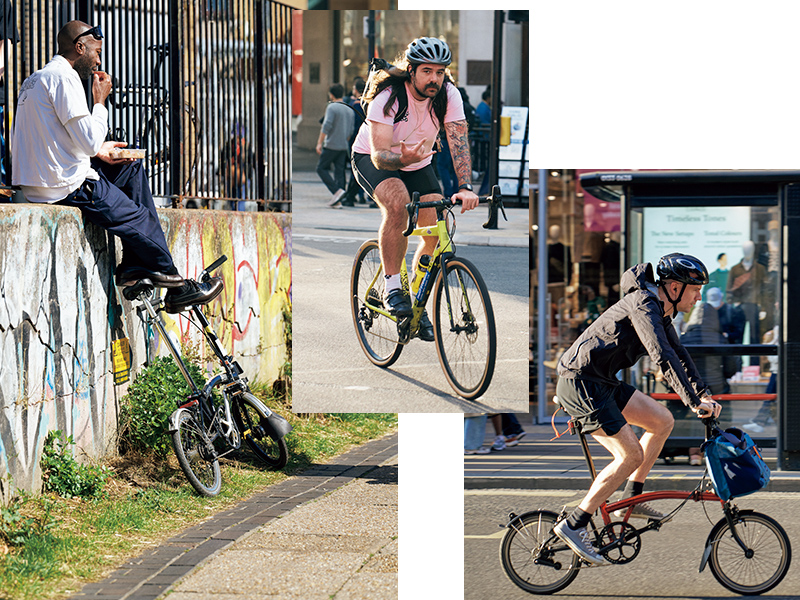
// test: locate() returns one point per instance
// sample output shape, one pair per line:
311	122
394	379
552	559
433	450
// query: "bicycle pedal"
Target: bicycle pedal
404	330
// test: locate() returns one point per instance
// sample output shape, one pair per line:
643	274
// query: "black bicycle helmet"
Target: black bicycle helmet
682	268
429	50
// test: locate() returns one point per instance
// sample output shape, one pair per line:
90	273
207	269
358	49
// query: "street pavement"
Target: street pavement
330	532
542	473
666	568
331	373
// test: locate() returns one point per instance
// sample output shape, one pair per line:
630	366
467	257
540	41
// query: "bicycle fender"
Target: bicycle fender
278	425
706	554
707	551
514	519
173	420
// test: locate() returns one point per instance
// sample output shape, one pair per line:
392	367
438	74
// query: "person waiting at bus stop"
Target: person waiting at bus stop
60	156
637	325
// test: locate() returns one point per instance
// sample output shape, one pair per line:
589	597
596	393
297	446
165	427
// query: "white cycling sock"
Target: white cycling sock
391	282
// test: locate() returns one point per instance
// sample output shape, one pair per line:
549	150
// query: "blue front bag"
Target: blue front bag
735	464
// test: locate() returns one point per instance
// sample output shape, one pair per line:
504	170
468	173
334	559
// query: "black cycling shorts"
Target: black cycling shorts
595	405
368	177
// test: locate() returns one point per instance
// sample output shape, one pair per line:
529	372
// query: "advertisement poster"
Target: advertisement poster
703	232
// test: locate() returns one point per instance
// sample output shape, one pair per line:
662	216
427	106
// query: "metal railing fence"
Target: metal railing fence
204	87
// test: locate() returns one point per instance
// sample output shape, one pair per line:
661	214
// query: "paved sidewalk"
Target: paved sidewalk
329	532
311	215
539	463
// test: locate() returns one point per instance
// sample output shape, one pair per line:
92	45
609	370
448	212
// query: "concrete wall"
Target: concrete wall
60	312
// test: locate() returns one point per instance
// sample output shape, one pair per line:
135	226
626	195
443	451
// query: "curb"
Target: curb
149	575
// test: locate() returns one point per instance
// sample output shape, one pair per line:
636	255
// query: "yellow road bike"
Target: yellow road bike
462	315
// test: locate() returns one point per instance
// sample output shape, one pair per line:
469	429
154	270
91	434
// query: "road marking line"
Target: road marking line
493	536
515	493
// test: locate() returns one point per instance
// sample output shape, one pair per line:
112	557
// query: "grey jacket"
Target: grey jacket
628	330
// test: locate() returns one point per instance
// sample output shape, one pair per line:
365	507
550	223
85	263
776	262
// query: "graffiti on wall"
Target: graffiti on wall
59	313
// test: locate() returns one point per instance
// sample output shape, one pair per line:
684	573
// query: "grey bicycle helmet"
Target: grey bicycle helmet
429	50
684	269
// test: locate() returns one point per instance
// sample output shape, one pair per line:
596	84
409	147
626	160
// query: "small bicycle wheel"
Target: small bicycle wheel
534	558
377	333
252	423
762	566
464	327
189	444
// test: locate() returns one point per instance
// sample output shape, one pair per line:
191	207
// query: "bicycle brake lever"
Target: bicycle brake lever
411	209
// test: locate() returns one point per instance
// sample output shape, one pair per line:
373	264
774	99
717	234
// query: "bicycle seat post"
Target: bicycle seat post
576	426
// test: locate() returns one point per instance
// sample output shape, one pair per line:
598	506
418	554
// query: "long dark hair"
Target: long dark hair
396	79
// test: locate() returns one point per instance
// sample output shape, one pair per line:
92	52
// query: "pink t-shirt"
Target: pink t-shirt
417	125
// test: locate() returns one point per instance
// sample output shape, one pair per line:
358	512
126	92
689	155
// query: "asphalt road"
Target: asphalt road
331	372
666	568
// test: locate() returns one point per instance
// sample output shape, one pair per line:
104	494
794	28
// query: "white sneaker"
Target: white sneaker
753	426
499	443
481	450
580	541
336	197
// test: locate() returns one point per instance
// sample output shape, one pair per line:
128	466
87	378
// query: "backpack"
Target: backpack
376	65
735	464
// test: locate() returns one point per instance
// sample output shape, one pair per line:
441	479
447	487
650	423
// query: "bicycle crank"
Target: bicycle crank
620	542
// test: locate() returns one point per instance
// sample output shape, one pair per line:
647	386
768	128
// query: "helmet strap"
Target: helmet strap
674	303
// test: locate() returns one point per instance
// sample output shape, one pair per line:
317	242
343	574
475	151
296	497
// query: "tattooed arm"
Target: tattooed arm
380	136
458	139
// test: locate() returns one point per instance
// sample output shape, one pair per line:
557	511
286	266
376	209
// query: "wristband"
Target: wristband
465	186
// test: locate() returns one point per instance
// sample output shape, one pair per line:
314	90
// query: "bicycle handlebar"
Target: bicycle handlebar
205	274
495	201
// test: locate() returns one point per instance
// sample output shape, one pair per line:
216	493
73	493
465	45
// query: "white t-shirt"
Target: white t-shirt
54	134
417	125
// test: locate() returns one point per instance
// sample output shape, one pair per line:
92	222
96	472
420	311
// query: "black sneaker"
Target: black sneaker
425	331
178	299
398	303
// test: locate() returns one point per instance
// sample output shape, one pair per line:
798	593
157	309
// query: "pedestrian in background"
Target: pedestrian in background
334	143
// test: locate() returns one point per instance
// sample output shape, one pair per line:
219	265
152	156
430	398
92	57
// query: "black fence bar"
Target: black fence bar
203	86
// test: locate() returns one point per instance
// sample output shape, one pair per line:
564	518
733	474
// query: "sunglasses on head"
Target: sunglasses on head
95	32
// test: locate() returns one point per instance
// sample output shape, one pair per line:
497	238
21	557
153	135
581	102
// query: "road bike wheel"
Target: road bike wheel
156	139
749	574
530	538
188	441
468	347
252	423
377	333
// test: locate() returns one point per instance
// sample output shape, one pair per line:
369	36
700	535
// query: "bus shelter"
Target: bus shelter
743	335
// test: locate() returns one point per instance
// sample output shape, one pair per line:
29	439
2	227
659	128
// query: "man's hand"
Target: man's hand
104	153
319	148
101	86
413	154
707	408
469	200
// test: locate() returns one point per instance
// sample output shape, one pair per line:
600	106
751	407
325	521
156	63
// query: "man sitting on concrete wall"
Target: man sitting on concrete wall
60	156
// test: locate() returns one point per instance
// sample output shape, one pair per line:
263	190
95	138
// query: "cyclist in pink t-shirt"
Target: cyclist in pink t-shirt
392	158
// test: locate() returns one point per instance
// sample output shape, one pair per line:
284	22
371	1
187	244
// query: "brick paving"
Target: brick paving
149	575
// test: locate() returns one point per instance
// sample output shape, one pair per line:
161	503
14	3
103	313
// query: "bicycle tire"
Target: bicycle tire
531	533
466	357
187	441
252	423
749	575
377	334
156	139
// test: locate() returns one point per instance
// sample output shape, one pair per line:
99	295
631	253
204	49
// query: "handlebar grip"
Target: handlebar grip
216	263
